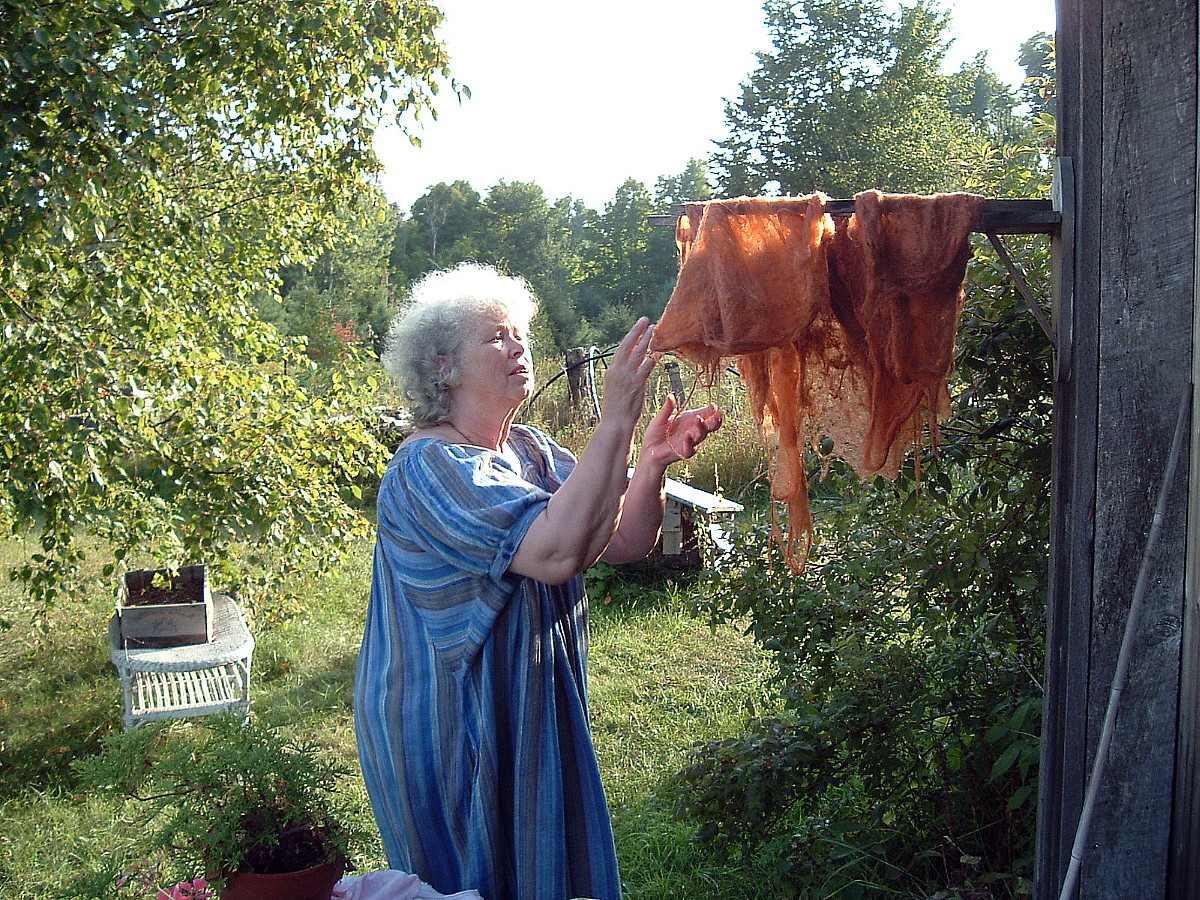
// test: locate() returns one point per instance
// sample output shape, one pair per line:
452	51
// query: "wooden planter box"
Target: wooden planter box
165	613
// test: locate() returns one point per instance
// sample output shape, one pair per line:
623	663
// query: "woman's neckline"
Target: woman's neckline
461	441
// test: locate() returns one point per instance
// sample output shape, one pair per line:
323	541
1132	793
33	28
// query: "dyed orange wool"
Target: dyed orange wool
842	333
896	284
748	267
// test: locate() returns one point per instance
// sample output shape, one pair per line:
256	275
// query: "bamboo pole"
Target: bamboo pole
1121	674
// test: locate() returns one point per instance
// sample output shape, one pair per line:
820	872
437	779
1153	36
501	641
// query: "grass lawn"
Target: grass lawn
661	678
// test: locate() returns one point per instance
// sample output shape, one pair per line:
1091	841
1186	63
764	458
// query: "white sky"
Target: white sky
580	95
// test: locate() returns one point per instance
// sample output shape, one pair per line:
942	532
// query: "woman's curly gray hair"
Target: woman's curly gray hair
421	352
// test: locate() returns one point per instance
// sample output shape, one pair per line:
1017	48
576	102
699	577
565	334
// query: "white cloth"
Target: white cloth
392	884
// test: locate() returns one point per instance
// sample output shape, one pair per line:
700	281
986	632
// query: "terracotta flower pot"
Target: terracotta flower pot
307	884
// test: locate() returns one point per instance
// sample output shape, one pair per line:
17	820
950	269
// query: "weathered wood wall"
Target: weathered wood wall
1125	309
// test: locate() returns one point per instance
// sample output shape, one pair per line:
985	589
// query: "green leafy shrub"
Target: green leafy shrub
219	797
910	688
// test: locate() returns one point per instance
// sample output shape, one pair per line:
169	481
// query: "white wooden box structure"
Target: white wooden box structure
682	497
189	680
189	621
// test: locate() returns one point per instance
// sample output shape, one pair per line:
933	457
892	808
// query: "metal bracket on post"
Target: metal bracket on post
1018	278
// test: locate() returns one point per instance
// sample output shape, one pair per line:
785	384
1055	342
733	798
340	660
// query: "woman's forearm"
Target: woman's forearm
640	523
579	521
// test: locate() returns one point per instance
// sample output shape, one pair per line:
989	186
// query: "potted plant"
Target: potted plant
235	802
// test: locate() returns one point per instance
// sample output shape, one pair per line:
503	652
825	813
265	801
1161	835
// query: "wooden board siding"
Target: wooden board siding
1146	277
1127	100
1061	787
1185	843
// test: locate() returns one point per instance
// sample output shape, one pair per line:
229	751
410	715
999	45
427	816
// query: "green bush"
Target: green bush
227	797
908	654
907	666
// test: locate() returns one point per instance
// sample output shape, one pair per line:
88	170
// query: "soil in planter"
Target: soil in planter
154	596
298	848
186	592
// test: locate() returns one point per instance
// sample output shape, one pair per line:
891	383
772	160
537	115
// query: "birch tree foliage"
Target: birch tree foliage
161	162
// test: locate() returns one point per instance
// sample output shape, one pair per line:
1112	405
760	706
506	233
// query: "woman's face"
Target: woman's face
494	362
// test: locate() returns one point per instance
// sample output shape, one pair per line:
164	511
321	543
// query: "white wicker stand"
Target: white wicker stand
192	680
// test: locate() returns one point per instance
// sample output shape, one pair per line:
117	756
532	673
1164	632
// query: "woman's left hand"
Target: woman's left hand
673	436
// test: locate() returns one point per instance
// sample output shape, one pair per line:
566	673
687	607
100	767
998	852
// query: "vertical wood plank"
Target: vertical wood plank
1185	850
1062	772
1144	330
1126	284
1184	873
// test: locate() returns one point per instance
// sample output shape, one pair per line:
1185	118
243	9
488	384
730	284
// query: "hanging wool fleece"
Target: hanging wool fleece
748	254
842	332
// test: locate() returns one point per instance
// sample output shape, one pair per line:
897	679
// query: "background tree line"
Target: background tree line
852	97
594	273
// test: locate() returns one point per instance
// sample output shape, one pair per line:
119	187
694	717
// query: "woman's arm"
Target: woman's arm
578	522
670	437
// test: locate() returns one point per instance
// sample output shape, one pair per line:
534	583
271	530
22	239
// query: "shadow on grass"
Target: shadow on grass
61	699
292	692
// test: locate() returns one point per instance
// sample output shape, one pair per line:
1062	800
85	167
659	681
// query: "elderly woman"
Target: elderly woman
471	693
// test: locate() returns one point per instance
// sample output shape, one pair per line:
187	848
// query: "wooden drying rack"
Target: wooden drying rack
998	217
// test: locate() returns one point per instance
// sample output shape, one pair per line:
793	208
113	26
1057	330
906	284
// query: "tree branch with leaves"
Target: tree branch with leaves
162	163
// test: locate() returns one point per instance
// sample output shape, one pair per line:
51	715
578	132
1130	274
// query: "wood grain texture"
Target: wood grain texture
1127	92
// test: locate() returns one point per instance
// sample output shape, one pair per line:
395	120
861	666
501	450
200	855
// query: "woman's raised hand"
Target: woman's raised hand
673	436
628	371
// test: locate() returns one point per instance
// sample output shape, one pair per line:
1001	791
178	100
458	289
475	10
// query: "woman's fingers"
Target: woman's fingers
699	424
641	351
639	334
659	428
632	363
711	418
672	436
666	411
632	358
639	348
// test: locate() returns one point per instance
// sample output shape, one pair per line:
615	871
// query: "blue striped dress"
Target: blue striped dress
470	700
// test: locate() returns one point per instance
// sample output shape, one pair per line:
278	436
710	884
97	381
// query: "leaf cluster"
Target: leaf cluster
852	96
162	164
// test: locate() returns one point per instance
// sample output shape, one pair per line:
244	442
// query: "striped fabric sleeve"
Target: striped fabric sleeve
492	506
